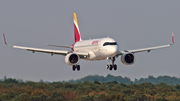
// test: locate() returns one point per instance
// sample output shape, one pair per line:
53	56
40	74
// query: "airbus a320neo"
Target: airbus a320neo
92	49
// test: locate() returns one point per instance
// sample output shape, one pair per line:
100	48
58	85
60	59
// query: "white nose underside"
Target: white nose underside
113	50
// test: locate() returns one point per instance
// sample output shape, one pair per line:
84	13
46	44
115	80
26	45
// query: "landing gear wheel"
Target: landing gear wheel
107	66
74	67
110	67
115	67
78	67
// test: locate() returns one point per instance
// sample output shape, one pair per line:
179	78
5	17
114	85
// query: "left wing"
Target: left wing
146	49
52	52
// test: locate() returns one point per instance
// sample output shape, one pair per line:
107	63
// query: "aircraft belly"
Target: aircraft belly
97	53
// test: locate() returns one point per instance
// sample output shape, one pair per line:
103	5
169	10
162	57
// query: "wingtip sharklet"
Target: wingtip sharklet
4	39
172	38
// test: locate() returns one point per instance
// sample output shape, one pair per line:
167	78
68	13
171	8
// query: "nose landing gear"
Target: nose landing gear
110	67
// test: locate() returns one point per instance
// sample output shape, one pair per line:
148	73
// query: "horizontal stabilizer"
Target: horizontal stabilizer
60	46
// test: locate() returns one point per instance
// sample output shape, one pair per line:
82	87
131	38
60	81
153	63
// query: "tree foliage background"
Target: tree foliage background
92	88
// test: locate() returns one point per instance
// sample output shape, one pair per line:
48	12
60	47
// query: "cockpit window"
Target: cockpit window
109	43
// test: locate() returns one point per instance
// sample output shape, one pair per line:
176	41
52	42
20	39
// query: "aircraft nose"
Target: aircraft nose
114	50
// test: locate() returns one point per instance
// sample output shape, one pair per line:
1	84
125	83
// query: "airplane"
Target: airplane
92	49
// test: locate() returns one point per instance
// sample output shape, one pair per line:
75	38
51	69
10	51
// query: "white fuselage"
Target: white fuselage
98	49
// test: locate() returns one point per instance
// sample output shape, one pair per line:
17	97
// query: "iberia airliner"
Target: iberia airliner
92	49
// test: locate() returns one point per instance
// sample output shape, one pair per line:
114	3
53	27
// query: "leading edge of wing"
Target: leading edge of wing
52	52
146	49
60	52
142	50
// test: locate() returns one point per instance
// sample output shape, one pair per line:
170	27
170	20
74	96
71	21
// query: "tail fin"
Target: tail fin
76	29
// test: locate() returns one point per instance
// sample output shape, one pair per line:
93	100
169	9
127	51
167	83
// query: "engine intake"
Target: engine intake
72	59
128	59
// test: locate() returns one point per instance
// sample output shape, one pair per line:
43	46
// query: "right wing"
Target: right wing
143	49
52	52
146	49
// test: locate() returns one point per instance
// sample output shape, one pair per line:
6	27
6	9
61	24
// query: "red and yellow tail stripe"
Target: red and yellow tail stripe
76	29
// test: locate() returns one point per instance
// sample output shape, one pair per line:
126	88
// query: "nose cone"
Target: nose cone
113	50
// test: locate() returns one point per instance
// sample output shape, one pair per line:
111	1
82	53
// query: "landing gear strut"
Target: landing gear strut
110	67
76	66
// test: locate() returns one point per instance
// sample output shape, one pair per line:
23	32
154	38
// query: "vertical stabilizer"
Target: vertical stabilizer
77	35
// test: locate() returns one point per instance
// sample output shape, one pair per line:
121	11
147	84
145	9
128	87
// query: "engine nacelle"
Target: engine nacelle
128	59
72	59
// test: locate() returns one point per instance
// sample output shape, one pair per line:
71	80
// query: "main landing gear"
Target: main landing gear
110	67
76	66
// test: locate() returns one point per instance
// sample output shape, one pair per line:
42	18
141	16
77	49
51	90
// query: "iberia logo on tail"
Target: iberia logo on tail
76	29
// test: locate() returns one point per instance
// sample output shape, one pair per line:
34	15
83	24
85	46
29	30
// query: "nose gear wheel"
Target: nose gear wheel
111	66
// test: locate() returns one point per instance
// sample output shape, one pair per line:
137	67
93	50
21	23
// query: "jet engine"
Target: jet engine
128	59
72	59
